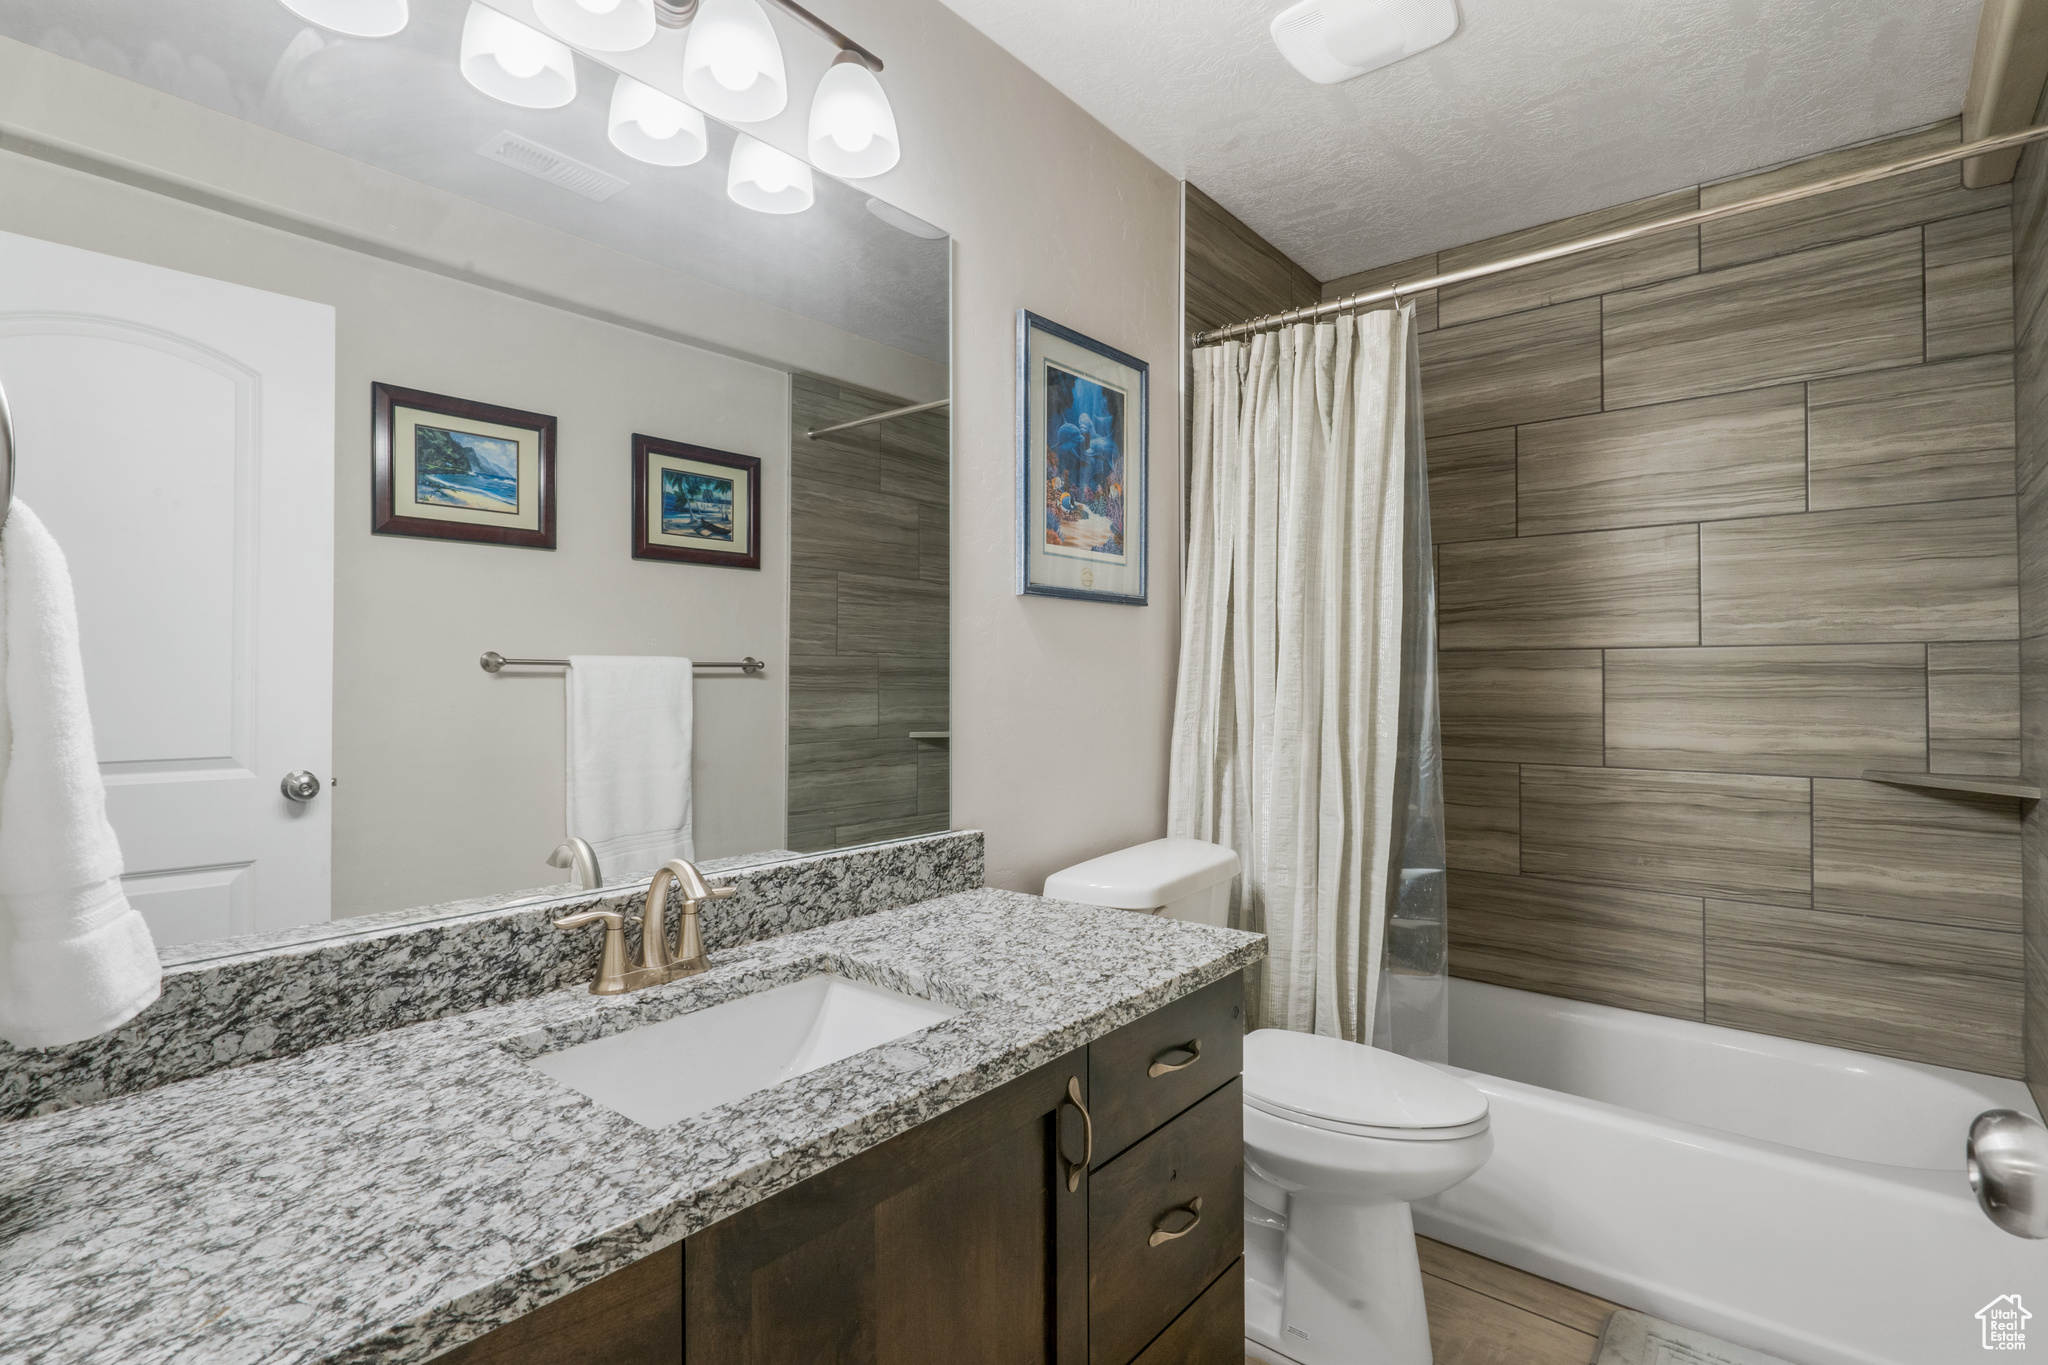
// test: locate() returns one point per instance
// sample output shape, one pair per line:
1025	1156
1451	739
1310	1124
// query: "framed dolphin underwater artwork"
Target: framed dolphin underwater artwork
1081	466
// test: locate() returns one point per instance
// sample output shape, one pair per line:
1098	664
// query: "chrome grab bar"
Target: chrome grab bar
2007	1156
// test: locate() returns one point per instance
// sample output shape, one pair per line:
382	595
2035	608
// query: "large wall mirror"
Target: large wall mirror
306	480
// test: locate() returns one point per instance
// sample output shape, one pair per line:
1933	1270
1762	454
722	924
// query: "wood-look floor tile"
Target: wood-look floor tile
1826	311
1482	816
1643	261
1929	433
1545	1298
833	697
1472	485
1693	834
1937	571
1520	705
1900	201
1587	589
1468	1328
1525	367
1902	853
888	615
1793	710
1969	285
1400	272
1942	994
1729	455
1637	950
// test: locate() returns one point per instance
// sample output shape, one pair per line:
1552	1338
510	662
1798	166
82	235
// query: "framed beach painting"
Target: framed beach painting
1081	466
452	469
693	505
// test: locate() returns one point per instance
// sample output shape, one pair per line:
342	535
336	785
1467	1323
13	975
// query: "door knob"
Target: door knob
299	785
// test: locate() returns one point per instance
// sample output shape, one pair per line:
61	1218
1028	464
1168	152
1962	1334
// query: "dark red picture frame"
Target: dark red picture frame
676	554
384	518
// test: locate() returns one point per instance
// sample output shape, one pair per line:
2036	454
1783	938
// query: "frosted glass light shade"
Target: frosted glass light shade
853	129
509	61
732	64
659	129
770	181
357	18
600	25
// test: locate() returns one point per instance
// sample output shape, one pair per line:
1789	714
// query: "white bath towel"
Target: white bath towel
629	759
75	958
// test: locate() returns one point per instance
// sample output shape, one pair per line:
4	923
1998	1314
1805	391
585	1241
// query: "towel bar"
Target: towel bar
492	661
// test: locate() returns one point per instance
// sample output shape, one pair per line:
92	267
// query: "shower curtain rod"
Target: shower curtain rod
1394	293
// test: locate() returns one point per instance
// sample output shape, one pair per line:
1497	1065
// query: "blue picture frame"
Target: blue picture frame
1083	429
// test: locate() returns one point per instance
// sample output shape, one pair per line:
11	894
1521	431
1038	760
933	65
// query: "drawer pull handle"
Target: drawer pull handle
1076	1166
1175	1058
1176	1223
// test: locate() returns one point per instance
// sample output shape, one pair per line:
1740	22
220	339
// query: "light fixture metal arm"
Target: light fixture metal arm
679	13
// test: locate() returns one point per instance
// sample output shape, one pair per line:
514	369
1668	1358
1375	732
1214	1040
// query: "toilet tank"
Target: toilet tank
1180	878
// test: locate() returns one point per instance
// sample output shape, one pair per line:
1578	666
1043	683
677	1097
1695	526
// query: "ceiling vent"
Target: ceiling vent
512	150
1339	40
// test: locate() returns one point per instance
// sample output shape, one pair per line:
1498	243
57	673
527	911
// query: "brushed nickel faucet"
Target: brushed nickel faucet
578	853
659	963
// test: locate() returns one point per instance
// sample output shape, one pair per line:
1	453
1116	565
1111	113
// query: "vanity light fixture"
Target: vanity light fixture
356	18
654	127
511	62
767	180
600	25
853	129
732	63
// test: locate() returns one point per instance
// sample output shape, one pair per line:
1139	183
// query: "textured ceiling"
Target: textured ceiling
1534	110
401	104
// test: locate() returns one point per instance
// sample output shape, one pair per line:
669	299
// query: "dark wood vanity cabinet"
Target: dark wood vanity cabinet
995	1233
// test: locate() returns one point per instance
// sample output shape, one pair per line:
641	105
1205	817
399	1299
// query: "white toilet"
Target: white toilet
1339	1139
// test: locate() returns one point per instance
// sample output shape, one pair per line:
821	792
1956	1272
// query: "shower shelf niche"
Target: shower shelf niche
1958	782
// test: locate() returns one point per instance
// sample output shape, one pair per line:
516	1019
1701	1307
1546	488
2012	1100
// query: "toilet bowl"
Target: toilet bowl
1339	1139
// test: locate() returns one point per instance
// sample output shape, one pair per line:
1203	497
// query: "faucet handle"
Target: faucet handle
611	969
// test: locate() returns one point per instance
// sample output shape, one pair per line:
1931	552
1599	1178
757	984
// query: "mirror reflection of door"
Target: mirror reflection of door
176	434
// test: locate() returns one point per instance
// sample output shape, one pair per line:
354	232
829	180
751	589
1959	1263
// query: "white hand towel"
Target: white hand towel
75	958
629	759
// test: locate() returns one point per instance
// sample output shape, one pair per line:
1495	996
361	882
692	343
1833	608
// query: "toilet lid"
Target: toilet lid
1328	1079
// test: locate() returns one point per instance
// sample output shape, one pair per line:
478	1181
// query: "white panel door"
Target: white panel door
176	433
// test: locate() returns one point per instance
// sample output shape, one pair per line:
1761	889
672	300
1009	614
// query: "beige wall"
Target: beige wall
1724	519
1061	710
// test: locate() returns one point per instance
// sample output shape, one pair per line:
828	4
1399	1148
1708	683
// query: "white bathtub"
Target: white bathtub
1803	1200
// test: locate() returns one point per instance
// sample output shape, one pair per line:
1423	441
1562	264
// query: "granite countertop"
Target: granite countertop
387	1198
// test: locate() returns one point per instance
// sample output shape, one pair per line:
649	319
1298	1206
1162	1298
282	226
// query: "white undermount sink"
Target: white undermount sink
660	1073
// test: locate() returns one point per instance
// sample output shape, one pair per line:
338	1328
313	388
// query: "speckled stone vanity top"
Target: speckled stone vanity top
388	1197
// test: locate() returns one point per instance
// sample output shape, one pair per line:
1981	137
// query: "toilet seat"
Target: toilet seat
1350	1088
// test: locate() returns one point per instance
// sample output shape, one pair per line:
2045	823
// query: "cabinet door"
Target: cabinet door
958	1240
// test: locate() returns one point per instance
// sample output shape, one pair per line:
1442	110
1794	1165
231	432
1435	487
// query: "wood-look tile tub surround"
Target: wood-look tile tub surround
2030	300
1725	519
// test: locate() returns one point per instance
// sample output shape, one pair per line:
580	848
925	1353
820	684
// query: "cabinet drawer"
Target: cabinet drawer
1149	1253
1193	1045
1210	1332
